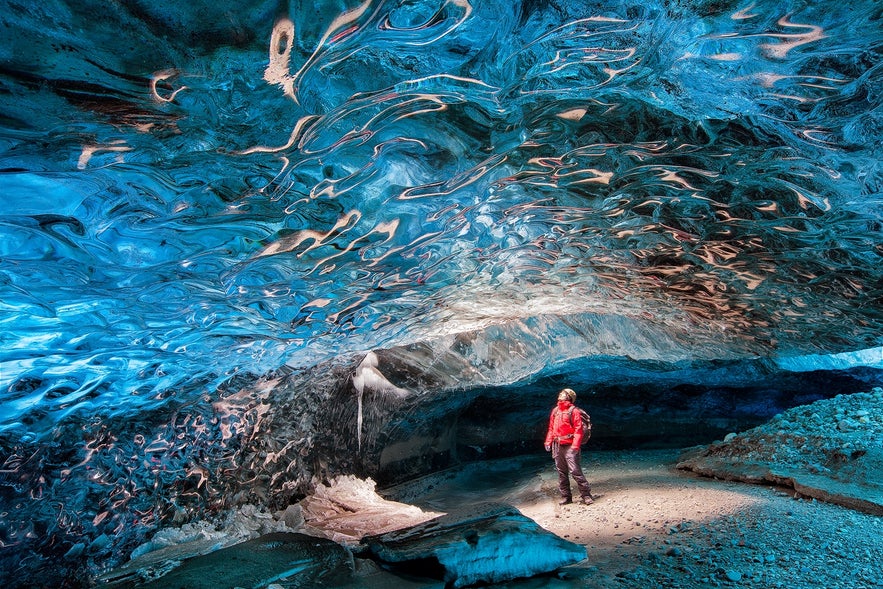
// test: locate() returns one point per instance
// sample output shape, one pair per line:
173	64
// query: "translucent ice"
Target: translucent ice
190	192
198	200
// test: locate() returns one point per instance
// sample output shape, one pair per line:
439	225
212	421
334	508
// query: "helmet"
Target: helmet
571	395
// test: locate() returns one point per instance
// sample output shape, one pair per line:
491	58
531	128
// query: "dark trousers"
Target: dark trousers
567	463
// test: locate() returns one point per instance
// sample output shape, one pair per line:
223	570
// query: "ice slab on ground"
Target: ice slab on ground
297	560
486	543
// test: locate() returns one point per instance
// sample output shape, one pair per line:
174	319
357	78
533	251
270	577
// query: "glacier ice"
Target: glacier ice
241	190
213	217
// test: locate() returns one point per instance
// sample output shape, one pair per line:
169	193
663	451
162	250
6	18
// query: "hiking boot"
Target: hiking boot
565	501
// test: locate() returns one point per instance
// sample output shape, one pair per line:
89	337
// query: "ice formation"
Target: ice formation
248	246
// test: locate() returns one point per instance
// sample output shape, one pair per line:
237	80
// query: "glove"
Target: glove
548	447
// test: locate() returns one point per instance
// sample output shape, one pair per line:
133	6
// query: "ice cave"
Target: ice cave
288	289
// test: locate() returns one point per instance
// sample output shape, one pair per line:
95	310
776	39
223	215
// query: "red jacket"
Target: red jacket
565	425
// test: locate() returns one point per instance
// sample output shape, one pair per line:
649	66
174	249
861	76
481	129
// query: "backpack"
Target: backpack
586	420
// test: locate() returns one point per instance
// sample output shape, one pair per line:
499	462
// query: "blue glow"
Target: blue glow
194	192
368	175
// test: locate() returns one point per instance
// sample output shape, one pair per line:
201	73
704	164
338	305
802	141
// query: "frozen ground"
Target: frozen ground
653	524
656	526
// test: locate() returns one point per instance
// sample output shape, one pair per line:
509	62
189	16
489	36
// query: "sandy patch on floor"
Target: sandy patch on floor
639	502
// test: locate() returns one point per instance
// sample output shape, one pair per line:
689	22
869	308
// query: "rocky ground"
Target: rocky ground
830	450
656	522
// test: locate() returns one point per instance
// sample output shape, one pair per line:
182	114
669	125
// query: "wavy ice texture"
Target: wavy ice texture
190	193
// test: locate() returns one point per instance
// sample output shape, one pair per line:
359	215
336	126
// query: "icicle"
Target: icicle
359	384
367	375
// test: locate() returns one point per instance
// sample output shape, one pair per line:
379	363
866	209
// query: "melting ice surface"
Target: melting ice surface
194	191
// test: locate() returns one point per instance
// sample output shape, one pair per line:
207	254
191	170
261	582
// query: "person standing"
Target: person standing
563	439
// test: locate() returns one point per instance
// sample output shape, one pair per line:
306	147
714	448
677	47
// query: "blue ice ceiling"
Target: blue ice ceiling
197	189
